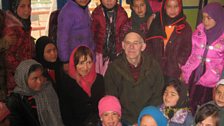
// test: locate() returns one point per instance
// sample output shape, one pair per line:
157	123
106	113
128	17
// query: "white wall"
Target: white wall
0	4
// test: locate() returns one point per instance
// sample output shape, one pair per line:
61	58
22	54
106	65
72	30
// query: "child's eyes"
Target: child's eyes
218	92
22	6
114	113
106	114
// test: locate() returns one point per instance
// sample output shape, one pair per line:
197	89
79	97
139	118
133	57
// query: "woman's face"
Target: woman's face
50	53
24	9
209	121
170	96
172	8
110	118
208	21
36	80
148	120
139	7
109	4
84	66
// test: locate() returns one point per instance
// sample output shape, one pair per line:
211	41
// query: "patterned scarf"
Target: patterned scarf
178	115
109	50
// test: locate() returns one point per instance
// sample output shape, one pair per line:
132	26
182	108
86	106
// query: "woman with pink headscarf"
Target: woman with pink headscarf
81	90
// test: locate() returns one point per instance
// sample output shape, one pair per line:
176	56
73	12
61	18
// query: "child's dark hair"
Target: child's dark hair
35	67
183	101
82	51
182	92
205	111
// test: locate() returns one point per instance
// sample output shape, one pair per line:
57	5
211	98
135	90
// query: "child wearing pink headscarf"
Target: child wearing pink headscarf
109	111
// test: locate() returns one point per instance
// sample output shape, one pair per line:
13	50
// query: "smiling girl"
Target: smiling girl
175	104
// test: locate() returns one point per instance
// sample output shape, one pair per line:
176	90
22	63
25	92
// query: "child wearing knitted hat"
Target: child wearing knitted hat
218	99
109	111
219	94
213	109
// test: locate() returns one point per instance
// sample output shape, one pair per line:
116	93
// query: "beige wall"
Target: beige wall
195	2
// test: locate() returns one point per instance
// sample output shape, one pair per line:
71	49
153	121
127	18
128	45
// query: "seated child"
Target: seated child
151	116
207	115
218	99
176	104
109	111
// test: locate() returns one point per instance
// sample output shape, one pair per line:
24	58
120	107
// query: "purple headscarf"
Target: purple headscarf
216	12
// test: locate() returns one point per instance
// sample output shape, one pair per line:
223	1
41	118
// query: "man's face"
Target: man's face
133	45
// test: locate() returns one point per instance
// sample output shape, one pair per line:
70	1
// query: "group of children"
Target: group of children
173	112
86	45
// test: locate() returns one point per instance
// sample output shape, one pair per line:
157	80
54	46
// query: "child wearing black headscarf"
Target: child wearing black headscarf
169	38
47	55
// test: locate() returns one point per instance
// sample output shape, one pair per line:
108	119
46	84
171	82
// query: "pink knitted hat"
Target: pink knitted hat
109	103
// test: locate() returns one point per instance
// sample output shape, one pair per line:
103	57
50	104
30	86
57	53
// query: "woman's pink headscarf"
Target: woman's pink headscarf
84	82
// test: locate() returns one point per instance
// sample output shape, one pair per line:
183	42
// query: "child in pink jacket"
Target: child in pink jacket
203	68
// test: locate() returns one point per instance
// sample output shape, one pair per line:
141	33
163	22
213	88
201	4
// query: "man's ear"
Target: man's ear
122	44
143	47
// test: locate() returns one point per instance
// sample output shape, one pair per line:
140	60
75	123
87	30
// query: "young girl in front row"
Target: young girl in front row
176	104
151	116
110	111
207	115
